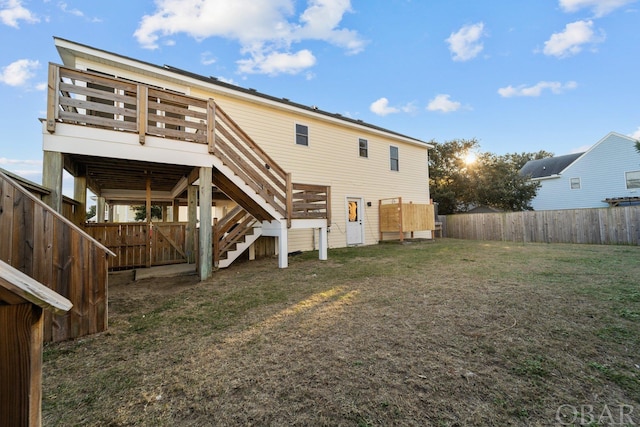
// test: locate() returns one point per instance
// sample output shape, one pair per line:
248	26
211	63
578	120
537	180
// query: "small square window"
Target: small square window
302	134
633	179
363	147
393	158
575	183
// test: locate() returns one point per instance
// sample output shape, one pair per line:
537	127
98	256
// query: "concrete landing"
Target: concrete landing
165	271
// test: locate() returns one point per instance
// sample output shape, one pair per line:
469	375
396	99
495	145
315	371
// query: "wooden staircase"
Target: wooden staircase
233	235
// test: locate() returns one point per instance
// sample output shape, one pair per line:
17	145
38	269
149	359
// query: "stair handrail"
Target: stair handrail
245	158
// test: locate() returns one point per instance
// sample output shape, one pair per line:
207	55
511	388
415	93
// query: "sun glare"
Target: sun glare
470	158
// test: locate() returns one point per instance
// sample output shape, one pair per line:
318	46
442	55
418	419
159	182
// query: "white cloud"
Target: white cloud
207	59
19	72
275	63
571	41
443	103
599	7
265	29
23	168
13	162
536	90
636	134
12	11
465	43
381	107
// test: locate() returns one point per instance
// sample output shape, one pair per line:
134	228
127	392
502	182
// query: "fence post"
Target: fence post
22	300
289	207
53	89
211	126
142	108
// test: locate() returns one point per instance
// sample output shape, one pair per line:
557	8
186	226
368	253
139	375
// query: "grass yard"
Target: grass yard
445	333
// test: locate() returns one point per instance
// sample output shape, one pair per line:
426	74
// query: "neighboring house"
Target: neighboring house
134	131
608	174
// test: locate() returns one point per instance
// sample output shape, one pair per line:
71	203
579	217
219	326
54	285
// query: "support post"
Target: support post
52	179
100	210
148	219
322	244
283	245
176	210
80	196
205	237
192	219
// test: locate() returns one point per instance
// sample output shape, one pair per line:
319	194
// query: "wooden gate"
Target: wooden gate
168	243
139	244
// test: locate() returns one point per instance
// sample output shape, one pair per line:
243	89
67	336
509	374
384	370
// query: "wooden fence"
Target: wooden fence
138	244
619	225
44	245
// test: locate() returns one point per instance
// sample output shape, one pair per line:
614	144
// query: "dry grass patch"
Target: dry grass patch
448	333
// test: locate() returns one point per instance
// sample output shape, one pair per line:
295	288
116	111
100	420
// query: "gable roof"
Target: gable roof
69	50
549	166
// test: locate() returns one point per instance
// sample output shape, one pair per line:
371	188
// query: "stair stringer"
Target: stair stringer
249	239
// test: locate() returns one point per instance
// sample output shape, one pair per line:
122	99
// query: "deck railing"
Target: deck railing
97	100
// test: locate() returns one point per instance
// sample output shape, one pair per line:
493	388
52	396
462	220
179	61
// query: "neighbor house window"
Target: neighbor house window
575	183
363	147
633	179
393	158
302	134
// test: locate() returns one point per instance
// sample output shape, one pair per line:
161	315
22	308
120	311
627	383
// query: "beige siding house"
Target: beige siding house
157	124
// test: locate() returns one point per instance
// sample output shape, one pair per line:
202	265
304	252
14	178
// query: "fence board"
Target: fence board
616	225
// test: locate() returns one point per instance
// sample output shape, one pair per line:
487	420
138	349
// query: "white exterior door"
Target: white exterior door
355	222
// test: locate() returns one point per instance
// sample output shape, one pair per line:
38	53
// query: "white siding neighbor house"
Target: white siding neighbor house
608	174
139	133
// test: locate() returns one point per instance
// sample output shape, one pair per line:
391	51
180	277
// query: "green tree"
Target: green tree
91	212
498	183
638	146
141	212
492	180
449	177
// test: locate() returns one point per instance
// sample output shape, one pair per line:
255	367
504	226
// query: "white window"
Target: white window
302	134
633	179
394	158
363	147
575	183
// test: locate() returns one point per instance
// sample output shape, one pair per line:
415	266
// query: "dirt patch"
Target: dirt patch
453	334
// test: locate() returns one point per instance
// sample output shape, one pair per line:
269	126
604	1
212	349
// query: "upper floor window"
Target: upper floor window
302	134
393	158
363	147
633	179
575	183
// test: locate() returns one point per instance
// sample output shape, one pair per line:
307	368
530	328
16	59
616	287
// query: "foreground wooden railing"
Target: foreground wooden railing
44	245
91	99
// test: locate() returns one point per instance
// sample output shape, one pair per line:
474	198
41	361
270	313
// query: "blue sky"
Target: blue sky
517	75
